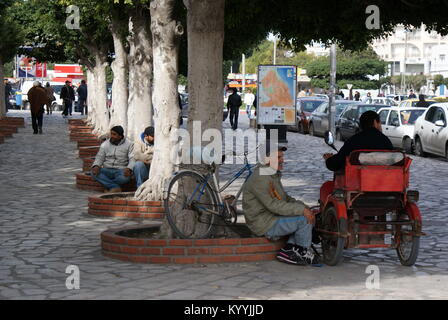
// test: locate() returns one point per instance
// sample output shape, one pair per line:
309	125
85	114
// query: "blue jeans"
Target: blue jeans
141	172
111	178
297	227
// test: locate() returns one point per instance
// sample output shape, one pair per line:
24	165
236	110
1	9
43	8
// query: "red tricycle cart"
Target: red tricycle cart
369	206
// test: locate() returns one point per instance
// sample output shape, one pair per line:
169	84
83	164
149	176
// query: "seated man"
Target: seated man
269	211
143	153
114	161
370	137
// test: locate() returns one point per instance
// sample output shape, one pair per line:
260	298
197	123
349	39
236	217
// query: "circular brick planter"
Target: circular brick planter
80	122
124	205
15	121
89	142
2	138
87	164
88	152
122	244
78	136
86	182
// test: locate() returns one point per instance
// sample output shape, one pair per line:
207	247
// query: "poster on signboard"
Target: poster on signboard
276	95
30	68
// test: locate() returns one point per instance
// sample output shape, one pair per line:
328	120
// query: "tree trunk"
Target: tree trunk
91	96
140	74
119	108
2	91
205	25
166	33
100	90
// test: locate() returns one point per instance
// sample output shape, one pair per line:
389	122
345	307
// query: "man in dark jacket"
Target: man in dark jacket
233	105
37	96
82	96
370	137
422	103
68	96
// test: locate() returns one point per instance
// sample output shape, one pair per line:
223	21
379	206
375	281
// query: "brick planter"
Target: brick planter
15	121
8	128
87	164
2	138
86	182
117	205
88	152
122	245
6	132
89	143
78	136
80	122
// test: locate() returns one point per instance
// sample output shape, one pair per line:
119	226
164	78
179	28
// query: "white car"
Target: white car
431	131
383	100
398	125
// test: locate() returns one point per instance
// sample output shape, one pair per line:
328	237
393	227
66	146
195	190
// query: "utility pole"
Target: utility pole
331	102
275	50
403	76
243	88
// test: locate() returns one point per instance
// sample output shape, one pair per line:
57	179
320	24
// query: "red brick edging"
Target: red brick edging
88	152
115	205
183	251
86	182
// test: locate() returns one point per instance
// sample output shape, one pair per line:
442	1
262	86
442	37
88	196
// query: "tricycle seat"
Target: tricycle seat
375	171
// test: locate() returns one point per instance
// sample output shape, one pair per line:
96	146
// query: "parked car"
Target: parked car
413	103
384	101
305	106
397	97
348	123
398	125
431	131
318	122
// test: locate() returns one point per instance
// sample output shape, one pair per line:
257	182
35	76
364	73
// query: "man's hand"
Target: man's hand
127	172
95	170
147	161
309	215
327	155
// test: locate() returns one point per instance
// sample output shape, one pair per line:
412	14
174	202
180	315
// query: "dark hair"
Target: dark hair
367	119
421	97
83	81
119	130
149	131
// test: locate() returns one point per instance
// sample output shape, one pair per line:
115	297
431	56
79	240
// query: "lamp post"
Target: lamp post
331	102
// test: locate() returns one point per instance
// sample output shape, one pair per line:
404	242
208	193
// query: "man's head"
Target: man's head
116	134
36	84
234	90
83	81
421	97
67	83
370	119
411	91
48	84
149	135
273	157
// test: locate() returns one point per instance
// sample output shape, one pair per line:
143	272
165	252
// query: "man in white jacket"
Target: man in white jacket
143	153
114	161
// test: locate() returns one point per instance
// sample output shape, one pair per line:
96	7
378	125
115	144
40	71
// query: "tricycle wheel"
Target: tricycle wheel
408	245
332	245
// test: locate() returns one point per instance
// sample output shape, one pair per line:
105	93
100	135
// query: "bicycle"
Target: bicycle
191	195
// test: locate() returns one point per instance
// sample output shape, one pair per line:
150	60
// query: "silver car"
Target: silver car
398	125
318	122
431	131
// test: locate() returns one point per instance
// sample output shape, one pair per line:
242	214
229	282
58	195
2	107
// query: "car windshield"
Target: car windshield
340	107
408	117
365	108
310	105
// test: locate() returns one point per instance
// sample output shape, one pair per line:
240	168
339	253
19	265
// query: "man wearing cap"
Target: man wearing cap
269	211
37	96
114	161
143	153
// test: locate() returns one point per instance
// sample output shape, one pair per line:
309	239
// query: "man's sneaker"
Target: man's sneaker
307	255
290	254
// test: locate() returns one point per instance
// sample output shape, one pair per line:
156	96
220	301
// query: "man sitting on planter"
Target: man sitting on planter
114	161
143	153
269	211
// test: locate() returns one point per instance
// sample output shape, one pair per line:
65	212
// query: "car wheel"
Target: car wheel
407	145
300	127
419	148
311	129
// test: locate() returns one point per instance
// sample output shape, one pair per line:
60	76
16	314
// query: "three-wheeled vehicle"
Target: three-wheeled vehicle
369	206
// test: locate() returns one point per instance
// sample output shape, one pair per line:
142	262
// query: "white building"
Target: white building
422	52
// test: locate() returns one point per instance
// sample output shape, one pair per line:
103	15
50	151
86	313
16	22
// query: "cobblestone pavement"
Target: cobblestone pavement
45	228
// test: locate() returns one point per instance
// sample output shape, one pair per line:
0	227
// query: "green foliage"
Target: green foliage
352	67
11	34
439	80
416	81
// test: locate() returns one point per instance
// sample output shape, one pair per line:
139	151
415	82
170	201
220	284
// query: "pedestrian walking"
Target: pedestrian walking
50	93
68	96
412	95
82	97
357	96
38	98
8	90
233	106
249	98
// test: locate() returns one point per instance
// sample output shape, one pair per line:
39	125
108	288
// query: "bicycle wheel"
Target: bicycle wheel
188	198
